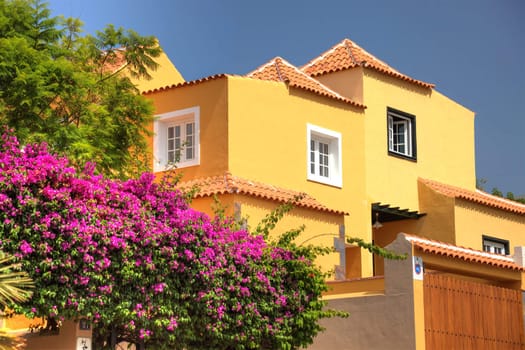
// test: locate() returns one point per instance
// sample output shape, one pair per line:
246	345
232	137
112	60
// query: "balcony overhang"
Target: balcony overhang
386	213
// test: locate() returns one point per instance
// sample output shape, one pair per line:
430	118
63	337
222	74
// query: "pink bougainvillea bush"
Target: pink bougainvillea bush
136	260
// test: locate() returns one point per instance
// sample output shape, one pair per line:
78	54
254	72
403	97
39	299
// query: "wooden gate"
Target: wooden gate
466	315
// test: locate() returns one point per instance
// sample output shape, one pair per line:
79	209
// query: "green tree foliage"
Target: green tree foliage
480	183
374	249
67	90
509	195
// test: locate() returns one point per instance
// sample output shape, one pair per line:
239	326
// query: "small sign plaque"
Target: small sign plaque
417	268
83	343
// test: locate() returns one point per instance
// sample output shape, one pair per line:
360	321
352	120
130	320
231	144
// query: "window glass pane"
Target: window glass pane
323	159
170	132
189	153
312	157
324	147
177	131
189	129
400	134
170	145
494	247
189	141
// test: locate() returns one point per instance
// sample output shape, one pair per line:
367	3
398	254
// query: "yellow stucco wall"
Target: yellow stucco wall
444	136
66	339
267	133
464	223
208	205
211	97
258	130
474	220
445	152
267	142
386	234
439	221
166	74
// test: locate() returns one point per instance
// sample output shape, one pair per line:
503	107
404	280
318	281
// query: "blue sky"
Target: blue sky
473	50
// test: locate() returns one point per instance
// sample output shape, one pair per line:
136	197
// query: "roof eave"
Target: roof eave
189	83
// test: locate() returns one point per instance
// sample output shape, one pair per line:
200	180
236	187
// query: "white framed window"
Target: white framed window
176	139
324	156
401	134
495	245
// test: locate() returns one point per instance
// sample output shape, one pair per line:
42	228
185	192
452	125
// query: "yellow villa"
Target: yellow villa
371	153
363	151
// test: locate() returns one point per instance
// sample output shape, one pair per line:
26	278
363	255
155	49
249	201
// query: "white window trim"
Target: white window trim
335	177
160	147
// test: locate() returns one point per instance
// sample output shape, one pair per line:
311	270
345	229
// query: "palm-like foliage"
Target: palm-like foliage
15	284
15	287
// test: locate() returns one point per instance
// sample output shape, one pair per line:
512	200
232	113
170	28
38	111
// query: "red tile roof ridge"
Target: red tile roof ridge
349	43
501	199
464	253
321	57
335	93
228	183
456	248
298	71
191	82
263	66
356	57
476	196
280	70
349	50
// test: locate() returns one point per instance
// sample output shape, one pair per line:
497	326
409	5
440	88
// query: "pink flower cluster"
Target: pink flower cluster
133	255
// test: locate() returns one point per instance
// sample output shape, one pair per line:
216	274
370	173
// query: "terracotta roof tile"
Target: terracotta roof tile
348	54
476	196
189	83
228	183
466	254
280	70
